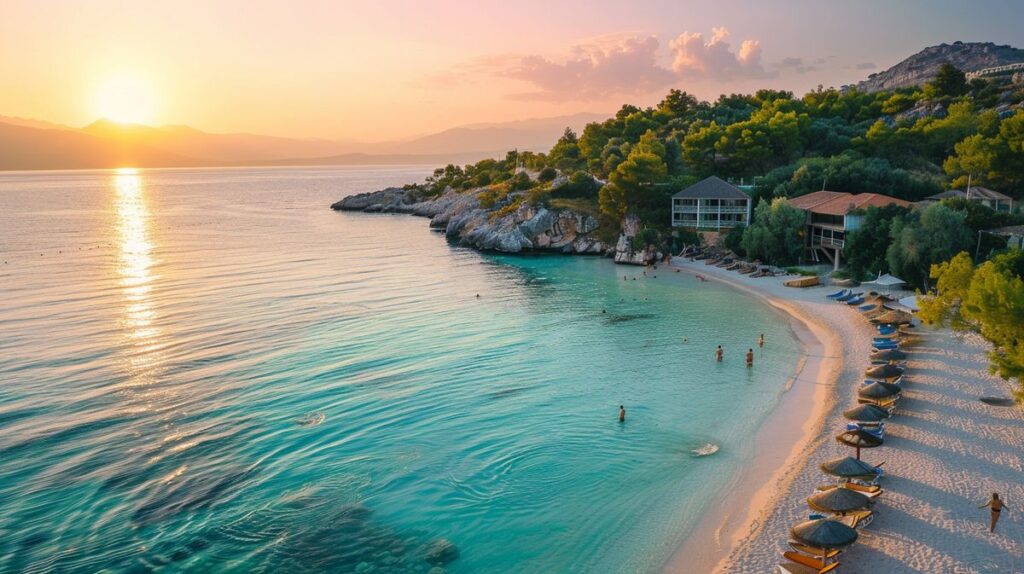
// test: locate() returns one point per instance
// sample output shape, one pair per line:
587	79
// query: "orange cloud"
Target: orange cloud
715	58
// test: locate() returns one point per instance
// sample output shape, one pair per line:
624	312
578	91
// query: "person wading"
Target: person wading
718	354
997	506
622	413
750	358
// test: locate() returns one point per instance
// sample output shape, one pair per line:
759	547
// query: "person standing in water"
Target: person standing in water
622	414
760	340
997	506
750	358
718	354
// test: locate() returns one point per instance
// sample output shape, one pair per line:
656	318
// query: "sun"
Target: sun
126	99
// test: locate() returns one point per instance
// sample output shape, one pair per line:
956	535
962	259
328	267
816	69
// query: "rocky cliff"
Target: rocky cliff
922	66
503	228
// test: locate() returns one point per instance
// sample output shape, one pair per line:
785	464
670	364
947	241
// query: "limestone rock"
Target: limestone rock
440	552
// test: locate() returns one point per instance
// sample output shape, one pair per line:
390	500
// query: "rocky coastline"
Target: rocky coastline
505	227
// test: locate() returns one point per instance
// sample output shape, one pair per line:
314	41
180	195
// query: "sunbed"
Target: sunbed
855	301
812	551
839	293
858	519
815	564
872	491
794	568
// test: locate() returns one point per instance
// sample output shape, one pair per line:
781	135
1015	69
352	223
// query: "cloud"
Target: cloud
617	64
866	66
620	64
797	65
714	58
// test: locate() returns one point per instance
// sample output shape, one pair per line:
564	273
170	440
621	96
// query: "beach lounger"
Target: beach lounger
870	491
839	293
793	568
812	551
866	308
809	561
848	296
858	519
878	431
855	301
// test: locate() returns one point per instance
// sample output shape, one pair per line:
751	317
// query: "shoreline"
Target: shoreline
738	515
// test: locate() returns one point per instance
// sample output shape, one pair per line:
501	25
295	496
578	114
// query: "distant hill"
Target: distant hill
35	148
922	66
527	135
33	144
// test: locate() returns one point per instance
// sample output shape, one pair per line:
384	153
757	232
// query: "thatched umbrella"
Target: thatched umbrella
838	500
866	414
889	355
884	372
859	439
894	317
878	390
824	533
849	467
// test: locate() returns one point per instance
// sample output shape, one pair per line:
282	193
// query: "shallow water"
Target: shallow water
209	369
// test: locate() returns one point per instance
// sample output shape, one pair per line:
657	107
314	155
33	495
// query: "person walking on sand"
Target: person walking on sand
718	354
750	358
997	506
622	414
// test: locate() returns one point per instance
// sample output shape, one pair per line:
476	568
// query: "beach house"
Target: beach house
832	214
987	197
711	204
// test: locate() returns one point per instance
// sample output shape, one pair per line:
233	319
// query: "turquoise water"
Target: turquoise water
210	370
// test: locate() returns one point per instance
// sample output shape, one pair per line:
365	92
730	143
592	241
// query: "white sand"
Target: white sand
945	452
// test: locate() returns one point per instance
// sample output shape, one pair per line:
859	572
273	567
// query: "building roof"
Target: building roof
1009	230
712	188
977	192
838	203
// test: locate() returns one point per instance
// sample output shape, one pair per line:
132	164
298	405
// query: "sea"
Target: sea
209	370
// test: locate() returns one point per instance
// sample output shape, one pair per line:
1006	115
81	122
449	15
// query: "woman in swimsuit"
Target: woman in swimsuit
997	506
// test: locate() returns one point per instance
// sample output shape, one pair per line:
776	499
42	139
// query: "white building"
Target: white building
711	204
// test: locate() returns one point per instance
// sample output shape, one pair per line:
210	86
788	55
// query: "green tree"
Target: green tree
865	248
565	154
948	82
988	299
924	239
776	235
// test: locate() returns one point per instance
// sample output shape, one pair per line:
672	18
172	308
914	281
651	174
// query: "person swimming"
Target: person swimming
622	414
750	357
718	354
997	506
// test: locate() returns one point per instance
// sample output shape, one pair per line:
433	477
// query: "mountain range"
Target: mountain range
33	144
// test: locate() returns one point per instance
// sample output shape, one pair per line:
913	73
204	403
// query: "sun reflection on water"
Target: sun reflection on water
135	275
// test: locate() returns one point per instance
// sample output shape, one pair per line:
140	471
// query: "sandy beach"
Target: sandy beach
945	453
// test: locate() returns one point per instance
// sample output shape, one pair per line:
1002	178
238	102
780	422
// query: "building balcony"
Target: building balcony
828	242
709	210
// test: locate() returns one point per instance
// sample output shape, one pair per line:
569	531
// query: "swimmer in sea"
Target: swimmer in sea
750	358
718	354
622	414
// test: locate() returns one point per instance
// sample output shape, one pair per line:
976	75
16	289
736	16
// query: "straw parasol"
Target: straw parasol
866	414
884	372
889	355
878	390
849	467
859	439
838	500
896	317
824	533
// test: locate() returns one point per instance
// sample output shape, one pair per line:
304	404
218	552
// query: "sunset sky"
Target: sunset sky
380	70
